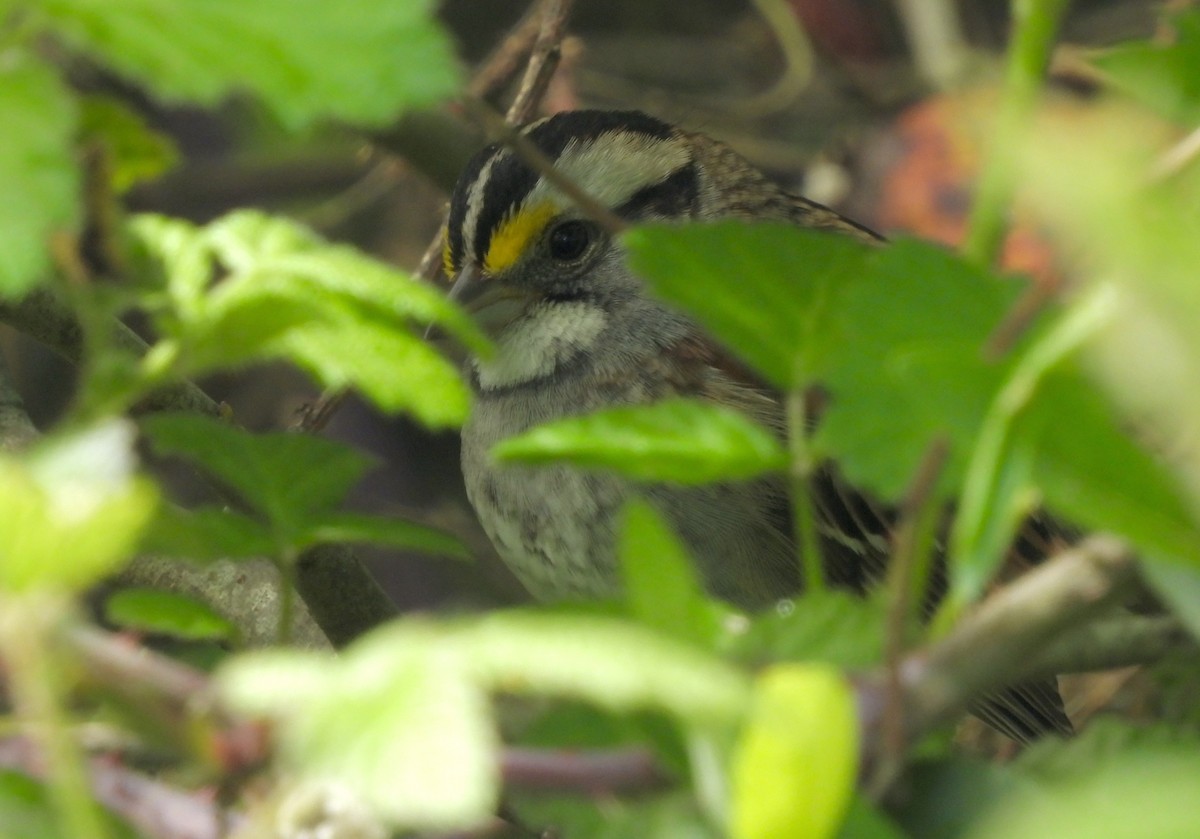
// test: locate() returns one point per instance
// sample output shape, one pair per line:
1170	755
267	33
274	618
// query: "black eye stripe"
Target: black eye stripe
673	196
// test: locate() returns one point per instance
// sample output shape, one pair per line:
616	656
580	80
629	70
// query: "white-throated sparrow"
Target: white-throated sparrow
575	332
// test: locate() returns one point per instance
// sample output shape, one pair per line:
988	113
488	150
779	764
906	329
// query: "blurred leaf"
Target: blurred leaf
669	816
1135	238
675	440
865	821
206	534
38	173
613	664
401	728
1107	739
136	151
394	533
946	797
794	766
357	60
834	627
1130	785
72	510
345	318
167	613
742	282
660	583
288	477
1162	74
27	811
1179	587
394	369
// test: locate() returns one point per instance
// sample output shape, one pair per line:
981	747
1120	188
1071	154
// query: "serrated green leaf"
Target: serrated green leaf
794	766
135	151
72	510
287	477
911	365
284	293
675	440
395	533
167	613
271	247
659	580
744	284
38	172
242	325
392	368
207	534
1160	73
358	60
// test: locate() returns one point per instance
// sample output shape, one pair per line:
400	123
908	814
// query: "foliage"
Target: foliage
1087	413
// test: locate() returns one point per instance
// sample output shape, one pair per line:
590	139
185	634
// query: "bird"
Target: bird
575	330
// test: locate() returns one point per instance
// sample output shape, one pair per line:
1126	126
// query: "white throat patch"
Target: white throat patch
533	346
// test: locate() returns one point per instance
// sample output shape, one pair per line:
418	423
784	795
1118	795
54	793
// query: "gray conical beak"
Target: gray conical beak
493	302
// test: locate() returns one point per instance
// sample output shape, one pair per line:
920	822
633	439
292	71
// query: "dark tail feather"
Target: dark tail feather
1026	711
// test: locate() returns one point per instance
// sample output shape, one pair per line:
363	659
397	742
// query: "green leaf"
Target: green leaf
72	510
135	151
865	821
946	797
358	60
167	613
660	584
392	368
914	367
400	729
1109	782
345	318
1179	587
742	282
795	763
27	811
1162	74
287	477
395	533
675	440
38	173
670	816
207	534
834	627
612	664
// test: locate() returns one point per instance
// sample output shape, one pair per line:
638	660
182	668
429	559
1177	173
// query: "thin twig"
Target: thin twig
595	773
994	646
154	808
907	543
543	60
1017	320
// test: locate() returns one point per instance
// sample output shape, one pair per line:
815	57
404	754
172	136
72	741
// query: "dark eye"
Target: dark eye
569	240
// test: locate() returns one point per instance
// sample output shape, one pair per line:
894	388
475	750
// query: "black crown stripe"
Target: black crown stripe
511	180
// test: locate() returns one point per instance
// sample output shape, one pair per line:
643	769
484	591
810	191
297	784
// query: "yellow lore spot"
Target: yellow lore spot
514	234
